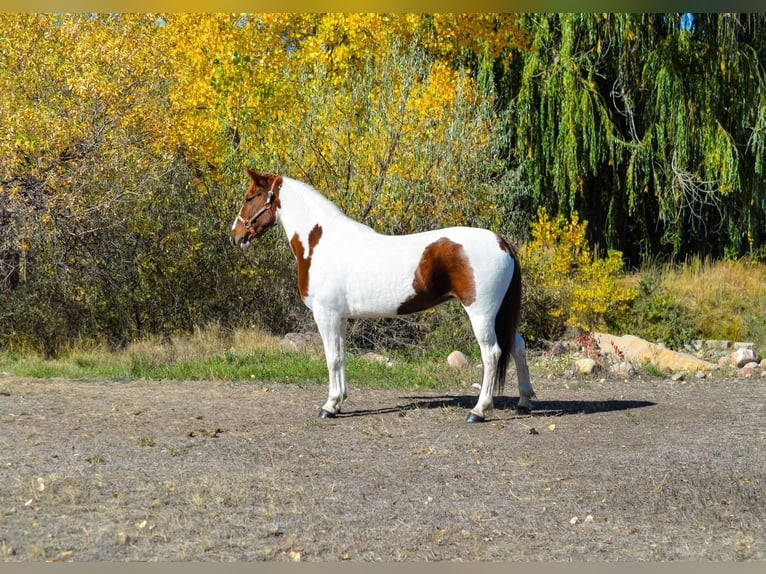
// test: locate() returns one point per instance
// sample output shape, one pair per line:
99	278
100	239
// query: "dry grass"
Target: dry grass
727	297
203	343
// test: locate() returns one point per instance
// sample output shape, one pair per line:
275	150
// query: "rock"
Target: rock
741	345
457	360
762	364
742	357
586	366
377	358
299	341
623	369
557	349
679	376
747	372
720	345
635	349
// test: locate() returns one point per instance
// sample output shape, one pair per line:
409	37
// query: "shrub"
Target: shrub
658	315
566	285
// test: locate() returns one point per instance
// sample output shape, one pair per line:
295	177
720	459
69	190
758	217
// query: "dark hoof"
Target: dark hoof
473	418
523	410
323	414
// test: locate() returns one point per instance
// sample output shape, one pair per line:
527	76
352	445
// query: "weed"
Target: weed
145	441
179	451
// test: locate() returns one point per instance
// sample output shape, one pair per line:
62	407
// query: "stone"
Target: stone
623	369
747	372
742	357
719	345
457	360
586	366
742	345
299	341
376	358
635	349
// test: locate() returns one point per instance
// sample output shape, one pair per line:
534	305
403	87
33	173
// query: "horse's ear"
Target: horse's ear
252	173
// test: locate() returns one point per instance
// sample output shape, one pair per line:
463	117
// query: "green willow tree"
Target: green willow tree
651	126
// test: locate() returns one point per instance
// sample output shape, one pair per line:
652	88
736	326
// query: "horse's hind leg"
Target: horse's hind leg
332	328
526	391
484	330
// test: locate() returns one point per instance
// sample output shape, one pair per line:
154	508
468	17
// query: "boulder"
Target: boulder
635	349
586	366
457	360
742	357
299	341
623	369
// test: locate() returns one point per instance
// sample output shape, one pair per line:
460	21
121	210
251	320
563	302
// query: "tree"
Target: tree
651	129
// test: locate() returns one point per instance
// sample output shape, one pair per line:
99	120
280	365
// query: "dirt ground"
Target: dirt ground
643	470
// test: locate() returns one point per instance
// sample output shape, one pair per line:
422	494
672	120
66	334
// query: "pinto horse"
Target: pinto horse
347	270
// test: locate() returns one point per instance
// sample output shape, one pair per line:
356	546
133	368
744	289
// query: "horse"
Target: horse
348	270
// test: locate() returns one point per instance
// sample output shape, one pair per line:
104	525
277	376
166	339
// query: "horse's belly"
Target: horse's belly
376	294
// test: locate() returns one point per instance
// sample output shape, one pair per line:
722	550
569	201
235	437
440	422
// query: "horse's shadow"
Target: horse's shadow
539	408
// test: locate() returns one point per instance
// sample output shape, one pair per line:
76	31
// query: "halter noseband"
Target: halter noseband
248	223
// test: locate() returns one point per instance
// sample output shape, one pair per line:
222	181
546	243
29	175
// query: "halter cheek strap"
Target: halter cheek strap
266	207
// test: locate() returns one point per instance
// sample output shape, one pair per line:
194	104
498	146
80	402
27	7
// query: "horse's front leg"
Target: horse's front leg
332	328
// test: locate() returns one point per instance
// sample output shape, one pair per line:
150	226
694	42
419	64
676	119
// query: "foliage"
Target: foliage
649	125
657	314
727	299
125	136
566	284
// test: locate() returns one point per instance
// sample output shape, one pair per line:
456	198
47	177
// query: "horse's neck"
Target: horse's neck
303	207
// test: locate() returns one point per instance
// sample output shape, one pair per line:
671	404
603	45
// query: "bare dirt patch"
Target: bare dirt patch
210	471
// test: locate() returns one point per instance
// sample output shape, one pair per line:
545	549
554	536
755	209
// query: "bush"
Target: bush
566	285
657	315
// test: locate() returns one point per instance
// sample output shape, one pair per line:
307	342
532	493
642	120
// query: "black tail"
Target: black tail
507	319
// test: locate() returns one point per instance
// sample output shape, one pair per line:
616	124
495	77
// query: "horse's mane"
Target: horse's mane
318	201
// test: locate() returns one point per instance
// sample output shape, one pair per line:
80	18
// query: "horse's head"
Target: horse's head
258	213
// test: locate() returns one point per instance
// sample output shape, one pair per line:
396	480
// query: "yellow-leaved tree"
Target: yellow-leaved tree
125	137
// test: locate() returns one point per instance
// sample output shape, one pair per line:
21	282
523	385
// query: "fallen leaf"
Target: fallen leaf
552	427
574	520
294	555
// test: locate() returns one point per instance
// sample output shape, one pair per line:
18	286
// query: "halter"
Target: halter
248	223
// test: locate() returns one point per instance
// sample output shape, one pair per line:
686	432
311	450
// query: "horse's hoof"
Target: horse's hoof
474	418
523	410
323	414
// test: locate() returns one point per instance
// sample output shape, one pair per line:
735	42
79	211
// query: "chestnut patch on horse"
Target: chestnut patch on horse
443	272
304	262
507	247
